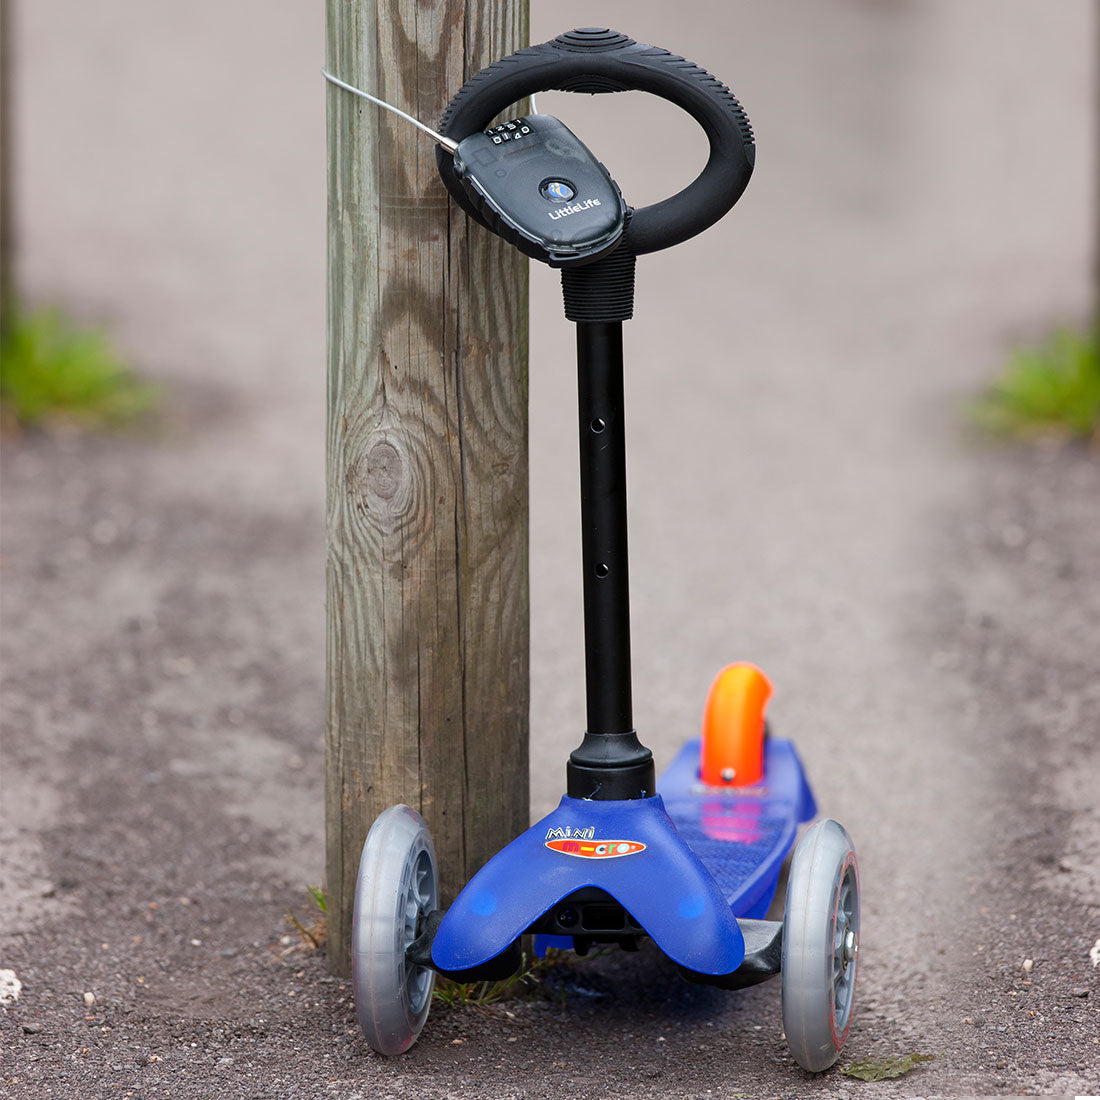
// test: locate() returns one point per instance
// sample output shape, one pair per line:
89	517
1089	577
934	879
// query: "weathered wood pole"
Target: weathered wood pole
427	572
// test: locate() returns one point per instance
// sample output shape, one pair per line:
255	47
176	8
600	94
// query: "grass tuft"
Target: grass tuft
1050	390
54	370
320	897
482	994
313	931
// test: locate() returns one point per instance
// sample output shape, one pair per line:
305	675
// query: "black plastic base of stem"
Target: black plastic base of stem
610	784
610	767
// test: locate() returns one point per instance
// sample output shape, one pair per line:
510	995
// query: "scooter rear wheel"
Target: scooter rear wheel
820	945
733	727
395	889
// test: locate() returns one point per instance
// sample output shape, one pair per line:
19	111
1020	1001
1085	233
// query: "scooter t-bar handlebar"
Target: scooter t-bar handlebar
596	60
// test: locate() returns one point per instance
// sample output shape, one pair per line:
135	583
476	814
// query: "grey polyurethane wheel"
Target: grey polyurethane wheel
820	945
396	887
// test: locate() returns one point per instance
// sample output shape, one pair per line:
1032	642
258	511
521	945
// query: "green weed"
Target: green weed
1053	389
320	897
481	994
52	369
314	929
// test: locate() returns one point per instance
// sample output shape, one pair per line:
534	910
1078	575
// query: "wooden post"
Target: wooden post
427	573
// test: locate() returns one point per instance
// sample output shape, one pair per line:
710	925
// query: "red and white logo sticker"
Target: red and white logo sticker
596	849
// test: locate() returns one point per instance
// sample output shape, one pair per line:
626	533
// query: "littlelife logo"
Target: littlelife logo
575	208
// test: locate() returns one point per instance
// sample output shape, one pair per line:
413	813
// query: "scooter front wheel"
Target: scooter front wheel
820	945
395	889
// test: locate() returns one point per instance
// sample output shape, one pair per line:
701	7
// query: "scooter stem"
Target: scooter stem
603	527
610	763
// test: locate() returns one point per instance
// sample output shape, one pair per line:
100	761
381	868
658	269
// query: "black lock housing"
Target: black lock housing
537	185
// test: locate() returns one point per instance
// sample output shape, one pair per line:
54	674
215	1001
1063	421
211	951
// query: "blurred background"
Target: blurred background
808	489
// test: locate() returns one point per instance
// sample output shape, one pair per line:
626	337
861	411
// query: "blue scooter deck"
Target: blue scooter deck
741	834
684	864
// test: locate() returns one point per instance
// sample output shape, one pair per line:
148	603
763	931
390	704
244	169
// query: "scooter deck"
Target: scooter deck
740	834
683	865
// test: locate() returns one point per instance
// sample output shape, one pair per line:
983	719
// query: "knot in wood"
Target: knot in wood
385	470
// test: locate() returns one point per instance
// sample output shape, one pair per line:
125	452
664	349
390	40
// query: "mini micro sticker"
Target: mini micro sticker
596	849
584	832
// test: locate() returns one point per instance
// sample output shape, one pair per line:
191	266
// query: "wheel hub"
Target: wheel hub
848	953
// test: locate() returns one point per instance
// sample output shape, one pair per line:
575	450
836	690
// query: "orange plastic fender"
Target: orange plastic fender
733	727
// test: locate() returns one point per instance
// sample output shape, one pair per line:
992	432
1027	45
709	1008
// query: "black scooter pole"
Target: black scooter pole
603	527
610	763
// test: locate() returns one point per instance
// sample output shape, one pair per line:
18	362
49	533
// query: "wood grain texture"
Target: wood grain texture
427	572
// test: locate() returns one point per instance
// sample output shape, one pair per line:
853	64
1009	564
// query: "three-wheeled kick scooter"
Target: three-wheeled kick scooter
692	861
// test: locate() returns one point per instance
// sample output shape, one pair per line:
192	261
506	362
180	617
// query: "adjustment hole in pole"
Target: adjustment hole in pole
602	570
598	425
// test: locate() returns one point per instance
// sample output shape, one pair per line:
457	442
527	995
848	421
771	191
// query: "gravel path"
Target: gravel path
805	494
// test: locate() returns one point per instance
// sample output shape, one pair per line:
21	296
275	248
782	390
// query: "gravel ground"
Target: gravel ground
926	603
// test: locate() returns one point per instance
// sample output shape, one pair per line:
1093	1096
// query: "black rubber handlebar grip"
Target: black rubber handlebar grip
598	60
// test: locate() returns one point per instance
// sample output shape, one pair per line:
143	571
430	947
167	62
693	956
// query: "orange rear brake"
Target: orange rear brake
733	727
